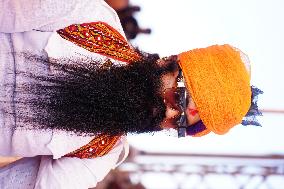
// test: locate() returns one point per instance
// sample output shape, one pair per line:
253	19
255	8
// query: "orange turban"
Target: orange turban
219	84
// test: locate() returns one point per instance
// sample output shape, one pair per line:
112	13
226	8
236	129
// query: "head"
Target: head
172	90
218	82
82	96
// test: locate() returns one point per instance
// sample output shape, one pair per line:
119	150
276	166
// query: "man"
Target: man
72	87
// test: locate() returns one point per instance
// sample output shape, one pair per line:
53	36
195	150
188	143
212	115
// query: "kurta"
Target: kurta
31	25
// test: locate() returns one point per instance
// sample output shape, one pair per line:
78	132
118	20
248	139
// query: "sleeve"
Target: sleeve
44	172
25	15
20	174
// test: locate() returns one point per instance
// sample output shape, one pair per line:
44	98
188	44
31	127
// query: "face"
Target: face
170	93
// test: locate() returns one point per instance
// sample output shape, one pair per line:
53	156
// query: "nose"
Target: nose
172	113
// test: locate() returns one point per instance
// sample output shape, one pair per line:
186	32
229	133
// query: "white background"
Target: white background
254	26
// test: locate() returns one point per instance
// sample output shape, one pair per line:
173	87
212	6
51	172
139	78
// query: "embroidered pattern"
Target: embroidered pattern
100	38
99	146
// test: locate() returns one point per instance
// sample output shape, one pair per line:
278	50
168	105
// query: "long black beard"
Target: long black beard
84	97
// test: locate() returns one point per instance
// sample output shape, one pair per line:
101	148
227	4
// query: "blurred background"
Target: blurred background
246	157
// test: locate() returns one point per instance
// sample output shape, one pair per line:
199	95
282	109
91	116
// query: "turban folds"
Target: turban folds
219	84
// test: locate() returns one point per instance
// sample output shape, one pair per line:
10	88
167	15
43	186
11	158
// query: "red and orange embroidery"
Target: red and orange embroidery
99	146
100	38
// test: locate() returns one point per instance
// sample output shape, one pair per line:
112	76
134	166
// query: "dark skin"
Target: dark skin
169	81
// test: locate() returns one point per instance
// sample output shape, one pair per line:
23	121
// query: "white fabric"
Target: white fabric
72	173
30	25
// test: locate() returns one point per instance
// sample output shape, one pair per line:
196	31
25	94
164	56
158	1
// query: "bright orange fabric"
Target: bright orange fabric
219	85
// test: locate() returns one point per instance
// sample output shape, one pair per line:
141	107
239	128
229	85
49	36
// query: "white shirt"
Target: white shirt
30	25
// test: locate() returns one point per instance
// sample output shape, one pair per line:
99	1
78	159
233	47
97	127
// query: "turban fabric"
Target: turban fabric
219	85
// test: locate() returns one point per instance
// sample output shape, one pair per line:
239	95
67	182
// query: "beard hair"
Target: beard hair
86	98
